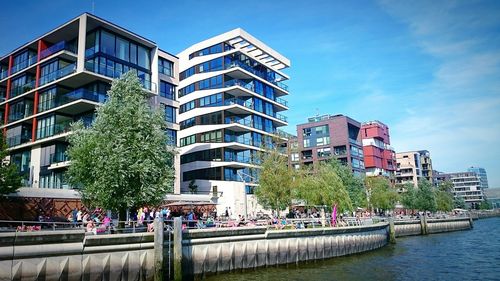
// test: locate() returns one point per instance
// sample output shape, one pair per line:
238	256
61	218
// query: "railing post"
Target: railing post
177	249
158	250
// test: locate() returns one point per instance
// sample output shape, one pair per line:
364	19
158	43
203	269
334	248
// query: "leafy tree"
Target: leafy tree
276	180
352	183
325	187
446	186
193	187
485	205
10	179
123	160
459	202
382	196
444	201
409	197
426	197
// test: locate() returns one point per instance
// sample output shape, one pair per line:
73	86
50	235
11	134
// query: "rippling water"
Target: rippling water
462	255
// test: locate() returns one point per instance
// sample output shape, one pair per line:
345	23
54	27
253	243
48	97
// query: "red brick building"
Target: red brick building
379	156
328	136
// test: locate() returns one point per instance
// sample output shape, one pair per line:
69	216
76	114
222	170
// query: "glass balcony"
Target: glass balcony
77	94
250	86
19	90
63	45
58	157
58	74
237	158
260	74
281	117
24	64
238	139
3	74
114	73
14	116
244	122
52	130
19	139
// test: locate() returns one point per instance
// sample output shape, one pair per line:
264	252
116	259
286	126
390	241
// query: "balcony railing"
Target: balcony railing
63	45
70	97
14	116
58	157
24	64
281	117
113	73
56	129
58	74
19	139
236	158
250	86
261	74
19	90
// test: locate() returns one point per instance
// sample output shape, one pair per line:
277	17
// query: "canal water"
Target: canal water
462	255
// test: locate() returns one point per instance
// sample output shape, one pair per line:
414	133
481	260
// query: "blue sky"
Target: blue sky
428	69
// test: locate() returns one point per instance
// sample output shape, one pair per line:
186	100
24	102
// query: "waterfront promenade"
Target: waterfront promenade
176	252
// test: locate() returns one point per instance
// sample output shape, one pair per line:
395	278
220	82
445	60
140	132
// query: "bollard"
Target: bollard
471	222
177	249
158	250
392	231
423	224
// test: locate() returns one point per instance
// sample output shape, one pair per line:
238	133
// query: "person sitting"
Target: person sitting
91	227
210	222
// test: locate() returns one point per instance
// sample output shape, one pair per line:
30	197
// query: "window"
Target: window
324	152
172	137
212	100
211	119
133	53
166	67
143	57
186	106
188	140
306	132
295	157
205	155
188	123
169	113
213	136
307	142
167	90
107	43
203	174
45	127
322	141
320	130
340	150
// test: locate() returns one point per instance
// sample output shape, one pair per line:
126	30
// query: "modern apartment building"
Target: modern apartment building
413	166
327	136
467	185
230	94
60	77
481	172
379	156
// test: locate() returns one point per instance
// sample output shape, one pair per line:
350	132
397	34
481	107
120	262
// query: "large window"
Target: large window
203	174
213	136
169	113
166	67
205	155
186	106
172	137
210	83
212	100
122	49
322	141
188	140
167	90
107	43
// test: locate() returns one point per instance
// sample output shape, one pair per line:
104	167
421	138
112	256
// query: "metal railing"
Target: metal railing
260	74
23	64
70	97
62	45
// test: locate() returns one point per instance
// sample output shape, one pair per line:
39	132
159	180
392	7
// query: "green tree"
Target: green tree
485	205
123	160
10	179
193	187
409	196
444	197
382	196
426	197
459	203
323	186
353	184
276	180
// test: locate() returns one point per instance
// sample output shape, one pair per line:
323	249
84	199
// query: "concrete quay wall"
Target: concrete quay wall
70	255
428	226
212	251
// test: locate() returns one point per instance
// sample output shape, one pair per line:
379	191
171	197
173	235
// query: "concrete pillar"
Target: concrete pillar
82	36
177	249
158	251
471	222
392	231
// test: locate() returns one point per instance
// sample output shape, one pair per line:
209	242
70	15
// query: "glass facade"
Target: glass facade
166	67
167	90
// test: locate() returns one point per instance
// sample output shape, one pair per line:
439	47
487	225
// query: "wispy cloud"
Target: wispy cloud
457	114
